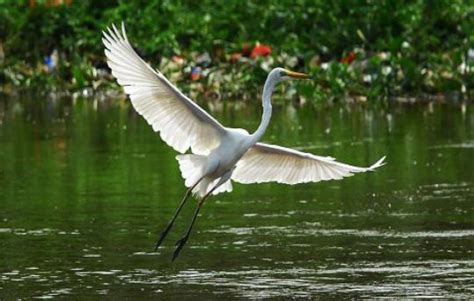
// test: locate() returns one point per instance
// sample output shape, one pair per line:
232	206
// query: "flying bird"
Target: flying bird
218	155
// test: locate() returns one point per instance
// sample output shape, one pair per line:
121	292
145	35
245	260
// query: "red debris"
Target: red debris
234	57
177	59
195	76
348	59
246	49
260	50
196	73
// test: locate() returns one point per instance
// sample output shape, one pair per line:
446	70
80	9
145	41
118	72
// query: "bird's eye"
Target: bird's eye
282	73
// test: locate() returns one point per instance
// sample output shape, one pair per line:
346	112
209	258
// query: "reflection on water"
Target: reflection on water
85	187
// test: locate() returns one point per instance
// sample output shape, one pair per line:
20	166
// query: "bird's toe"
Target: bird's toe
162	236
179	246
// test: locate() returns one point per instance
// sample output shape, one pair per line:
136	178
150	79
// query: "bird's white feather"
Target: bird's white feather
272	163
192	170
224	187
191	167
181	123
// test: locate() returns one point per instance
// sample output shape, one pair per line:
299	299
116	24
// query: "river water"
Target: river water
86	186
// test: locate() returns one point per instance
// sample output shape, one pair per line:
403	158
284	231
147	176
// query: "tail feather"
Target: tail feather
192	170
225	187
191	167
207	184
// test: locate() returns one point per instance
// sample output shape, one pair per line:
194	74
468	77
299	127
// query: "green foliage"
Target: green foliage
401	47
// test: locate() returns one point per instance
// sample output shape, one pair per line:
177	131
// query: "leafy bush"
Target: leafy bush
399	47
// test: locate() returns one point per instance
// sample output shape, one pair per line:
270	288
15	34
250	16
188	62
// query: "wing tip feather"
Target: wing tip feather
141	81
381	162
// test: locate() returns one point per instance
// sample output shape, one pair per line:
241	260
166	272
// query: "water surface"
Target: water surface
86	186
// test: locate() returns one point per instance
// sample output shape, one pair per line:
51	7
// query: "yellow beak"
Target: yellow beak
297	74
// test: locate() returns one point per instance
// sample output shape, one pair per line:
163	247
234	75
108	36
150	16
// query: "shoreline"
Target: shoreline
456	98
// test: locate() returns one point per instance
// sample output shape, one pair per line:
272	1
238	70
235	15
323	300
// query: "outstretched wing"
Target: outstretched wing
181	123
268	163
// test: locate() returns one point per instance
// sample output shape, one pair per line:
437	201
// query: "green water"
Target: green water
86	186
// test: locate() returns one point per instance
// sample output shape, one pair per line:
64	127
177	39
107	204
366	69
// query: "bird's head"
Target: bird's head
282	74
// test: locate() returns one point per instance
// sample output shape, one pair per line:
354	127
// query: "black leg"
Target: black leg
171	222
182	241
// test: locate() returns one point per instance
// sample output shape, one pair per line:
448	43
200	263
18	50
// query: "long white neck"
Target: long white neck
267	109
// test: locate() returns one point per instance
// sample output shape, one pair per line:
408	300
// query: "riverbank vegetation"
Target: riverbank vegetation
357	50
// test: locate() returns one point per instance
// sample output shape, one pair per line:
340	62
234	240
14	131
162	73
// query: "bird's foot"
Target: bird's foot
163	235
179	245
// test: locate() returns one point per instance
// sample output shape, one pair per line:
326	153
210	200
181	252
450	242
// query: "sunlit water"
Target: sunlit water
86	186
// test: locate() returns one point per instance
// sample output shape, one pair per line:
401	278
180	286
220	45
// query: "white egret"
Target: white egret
219	154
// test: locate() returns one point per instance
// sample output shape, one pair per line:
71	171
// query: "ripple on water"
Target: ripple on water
37	232
447	190
92	255
418	278
297	231
466	144
410	278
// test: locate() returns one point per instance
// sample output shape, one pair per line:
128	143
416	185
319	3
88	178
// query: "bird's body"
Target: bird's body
219	155
236	142
219	163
